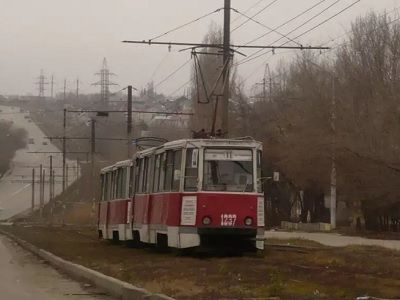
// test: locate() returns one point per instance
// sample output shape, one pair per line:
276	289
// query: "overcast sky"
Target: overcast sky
70	38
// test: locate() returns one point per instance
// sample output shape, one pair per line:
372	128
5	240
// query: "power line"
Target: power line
287	22
181	87
265	26
350	31
251	57
173	73
327	20
313	28
249	9
159	66
186	24
255	15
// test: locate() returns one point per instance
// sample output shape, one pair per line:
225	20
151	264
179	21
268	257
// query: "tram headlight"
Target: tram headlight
248	221
206	221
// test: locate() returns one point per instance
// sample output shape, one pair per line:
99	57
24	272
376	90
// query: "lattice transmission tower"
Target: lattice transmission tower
105	82
41	83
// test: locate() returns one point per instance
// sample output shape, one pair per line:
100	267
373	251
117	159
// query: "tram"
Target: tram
185	193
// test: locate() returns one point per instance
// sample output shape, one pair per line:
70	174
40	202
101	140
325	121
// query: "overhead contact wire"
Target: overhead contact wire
285	23
186	24
255	15
173	73
265	26
251	56
249	9
313	28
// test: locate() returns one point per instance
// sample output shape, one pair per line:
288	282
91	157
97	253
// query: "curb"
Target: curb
115	287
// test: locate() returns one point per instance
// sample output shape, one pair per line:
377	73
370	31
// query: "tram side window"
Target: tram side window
145	174
156	173
102	185
131	181
149	173
141	175
124	178
118	183
191	169
169	170
108	186
177	171
112	187
162	172
121	183
259	172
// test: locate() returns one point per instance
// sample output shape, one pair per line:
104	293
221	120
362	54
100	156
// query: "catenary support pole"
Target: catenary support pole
43	190
40	184
226	64
66	175
333	156
64	147
129	122
33	190
53	184
52	86
50	179
77	168
93	153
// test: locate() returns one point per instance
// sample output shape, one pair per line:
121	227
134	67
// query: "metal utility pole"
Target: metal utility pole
65	90
51	179
52	86
268	71
64	147
42	179
43	190
53	183
129	121
33	191
93	151
92	145
40	184
93	139
264	83
77	168
77	89
66	175
333	157
226	66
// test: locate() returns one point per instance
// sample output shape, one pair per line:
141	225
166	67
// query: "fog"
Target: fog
70	38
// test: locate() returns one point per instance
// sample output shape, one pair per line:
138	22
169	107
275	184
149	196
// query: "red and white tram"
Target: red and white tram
183	193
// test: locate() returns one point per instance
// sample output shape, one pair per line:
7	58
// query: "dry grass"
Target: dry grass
312	273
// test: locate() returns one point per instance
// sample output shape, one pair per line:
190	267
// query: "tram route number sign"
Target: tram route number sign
228	220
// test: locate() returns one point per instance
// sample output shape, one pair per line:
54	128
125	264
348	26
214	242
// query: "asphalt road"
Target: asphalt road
15	186
24	277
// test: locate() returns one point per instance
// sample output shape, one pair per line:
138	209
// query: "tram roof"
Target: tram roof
124	163
184	143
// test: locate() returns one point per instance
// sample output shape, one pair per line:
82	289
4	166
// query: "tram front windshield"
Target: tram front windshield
228	170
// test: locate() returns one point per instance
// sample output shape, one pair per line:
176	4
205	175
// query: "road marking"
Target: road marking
20	190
